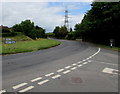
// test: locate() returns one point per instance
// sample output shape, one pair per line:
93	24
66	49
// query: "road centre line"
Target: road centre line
85	63
65	72
73	68
89	60
74	64
47	75
36	79
80	65
43	82
19	85
56	76
2	91
26	89
60	70
79	62
67	67
84	60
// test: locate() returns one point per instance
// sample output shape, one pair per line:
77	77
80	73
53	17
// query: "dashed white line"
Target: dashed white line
74	64
67	67
47	75
89	60
2	91
65	72
43	82
73	68
80	65
20	85
36	79
85	63
60	70
56	76
26	89
79	62
84	60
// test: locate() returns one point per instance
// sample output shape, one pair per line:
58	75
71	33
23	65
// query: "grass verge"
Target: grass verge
108	47
28	46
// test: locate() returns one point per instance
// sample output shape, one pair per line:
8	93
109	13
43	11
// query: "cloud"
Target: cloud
42	14
49	0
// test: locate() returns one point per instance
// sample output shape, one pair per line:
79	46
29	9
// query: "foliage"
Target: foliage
7	32
50	34
60	32
70	36
101	23
28	28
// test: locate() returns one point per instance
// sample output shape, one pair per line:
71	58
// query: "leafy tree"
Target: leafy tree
17	28
56	31
28	28
60	32
100	24
63	32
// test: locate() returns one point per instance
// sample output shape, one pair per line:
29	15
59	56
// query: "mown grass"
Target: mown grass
28	46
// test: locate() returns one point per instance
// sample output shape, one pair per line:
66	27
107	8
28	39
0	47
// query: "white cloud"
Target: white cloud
40	13
47	0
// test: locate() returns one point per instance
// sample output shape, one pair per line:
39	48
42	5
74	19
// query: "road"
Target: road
73	66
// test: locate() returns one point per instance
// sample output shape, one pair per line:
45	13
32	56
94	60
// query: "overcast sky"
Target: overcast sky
46	15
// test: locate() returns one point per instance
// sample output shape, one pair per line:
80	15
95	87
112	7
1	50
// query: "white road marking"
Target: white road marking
85	63
26	89
47	75
109	70
65	72
20	85
60	70
67	67
43	82
89	60
36	79
73	68
80	65
56	76
74	64
79	62
84	60
2	91
90	57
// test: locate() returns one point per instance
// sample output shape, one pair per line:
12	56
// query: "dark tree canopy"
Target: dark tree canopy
27	27
101	23
60	32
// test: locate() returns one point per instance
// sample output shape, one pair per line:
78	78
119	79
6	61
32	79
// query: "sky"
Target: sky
47	15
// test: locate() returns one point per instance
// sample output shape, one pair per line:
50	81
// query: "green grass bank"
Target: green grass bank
28	46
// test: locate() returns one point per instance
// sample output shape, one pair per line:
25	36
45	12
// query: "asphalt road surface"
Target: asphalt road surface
73	66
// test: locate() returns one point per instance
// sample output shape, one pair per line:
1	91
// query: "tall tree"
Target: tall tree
100	24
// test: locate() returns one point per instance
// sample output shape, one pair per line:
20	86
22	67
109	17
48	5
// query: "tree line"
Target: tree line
27	28
101	23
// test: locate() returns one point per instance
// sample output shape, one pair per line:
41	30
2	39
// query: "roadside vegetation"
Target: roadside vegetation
27	37
99	26
28	46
